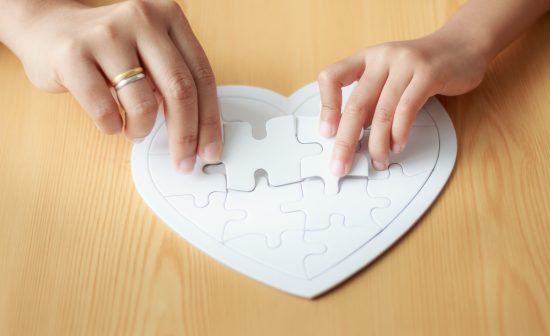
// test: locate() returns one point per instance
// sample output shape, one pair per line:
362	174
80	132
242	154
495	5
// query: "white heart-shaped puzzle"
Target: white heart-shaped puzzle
294	227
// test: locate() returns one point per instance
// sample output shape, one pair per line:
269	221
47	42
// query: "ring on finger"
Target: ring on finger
129	80
127	77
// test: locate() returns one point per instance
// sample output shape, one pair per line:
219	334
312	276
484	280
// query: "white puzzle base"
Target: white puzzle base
272	211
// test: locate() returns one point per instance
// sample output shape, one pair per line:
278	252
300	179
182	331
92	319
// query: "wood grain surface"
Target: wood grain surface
80	252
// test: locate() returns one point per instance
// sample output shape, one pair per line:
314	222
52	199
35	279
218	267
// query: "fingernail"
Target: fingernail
326	129
211	152
338	168
378	165
138	140
396	148
186	165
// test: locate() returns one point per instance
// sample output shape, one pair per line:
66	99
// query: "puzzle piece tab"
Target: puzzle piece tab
341	241
211	218
264	216
288	258
279	153
169	182
392	189
319	207
235	107
319	165
419	156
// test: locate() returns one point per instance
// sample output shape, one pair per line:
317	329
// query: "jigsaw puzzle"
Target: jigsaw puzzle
272	210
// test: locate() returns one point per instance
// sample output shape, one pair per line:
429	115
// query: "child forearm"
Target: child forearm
493	24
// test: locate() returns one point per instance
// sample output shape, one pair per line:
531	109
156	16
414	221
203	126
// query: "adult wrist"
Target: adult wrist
19	17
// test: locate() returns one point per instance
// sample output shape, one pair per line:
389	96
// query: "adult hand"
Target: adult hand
65	45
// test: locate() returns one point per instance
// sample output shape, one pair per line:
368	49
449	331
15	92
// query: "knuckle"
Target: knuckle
169	9
204	75
172	7
168	5
353	110
101	113
139	11
406	105
384	51
329	107
326	76
345	145
181	87
382	115
69	53
187	139
103	32
135	7
111	128
144	108
209	121
411	55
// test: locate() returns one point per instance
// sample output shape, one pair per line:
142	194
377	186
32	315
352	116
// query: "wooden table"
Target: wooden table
80	252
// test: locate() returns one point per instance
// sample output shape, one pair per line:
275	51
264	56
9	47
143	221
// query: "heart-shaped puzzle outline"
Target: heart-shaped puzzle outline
308	288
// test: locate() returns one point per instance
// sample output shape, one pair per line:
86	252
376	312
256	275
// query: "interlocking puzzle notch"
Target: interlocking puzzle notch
420	154
319	165
288	258
340	239
243	155
212	218
172	183
390	187
319	206
265	217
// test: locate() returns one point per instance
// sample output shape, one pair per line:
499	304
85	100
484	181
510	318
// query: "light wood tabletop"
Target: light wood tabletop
81	253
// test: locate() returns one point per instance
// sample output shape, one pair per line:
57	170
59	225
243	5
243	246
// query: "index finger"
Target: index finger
331	81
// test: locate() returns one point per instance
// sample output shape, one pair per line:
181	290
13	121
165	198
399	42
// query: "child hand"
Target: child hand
394	81
80	49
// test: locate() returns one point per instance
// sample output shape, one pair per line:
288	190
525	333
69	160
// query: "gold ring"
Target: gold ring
126	74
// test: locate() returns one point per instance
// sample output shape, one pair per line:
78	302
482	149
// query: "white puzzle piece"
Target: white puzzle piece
289	258
171	183
419	156
352	201
390	189
252	105
243	155
159	142
211	218
341	240
265	217
319	165
289	233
